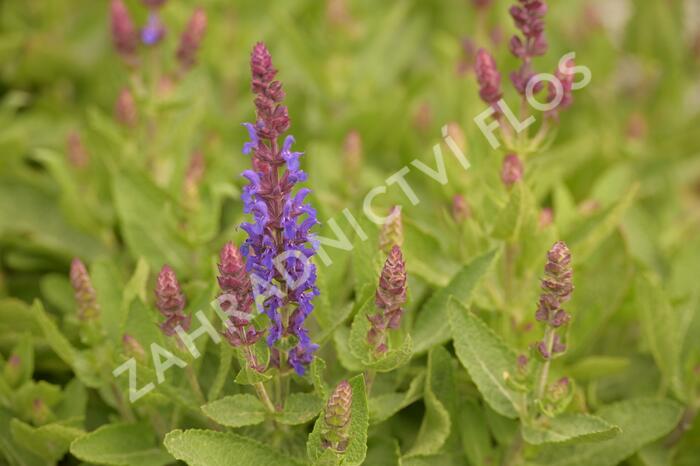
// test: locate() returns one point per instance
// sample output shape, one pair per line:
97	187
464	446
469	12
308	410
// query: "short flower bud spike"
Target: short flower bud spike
125	109
85	295
13	370
488	77
170	301
392	231
78	156
336	418
236	298
132	348
191	39
389	298
512	170
124	34
461	210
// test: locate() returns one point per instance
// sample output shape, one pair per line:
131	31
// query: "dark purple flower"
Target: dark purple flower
488	77
529	19
124	35
154	31
191	39
279	237
170	301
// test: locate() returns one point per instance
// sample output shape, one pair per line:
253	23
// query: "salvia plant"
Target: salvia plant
486	253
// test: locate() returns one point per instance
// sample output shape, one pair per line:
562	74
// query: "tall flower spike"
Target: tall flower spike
170	301
85	295
236	298
529	19
389	298
488	77
282	220
124	34
191	39
557	287
392	230
336	418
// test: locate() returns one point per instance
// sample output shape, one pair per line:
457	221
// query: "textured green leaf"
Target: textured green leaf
432	325
486	358
209	448
120	445
382	407
511	219
568	427
439	385
359	422
641	421
474	432
595	367
236	410
299	408
50	441
662	330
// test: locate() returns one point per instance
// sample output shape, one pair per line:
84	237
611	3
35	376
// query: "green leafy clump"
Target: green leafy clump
487	253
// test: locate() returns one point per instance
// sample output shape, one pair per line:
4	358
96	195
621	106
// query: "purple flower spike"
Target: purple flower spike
529	19
280	243
488	77
389	298
124	35
170	301
191	39
84	292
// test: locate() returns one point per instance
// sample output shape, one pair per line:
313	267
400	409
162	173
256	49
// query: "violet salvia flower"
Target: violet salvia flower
488	77
85	296
191	39
512	170
392	231
336	418
154	30
124	34
282	220
389	298
170	301
236	298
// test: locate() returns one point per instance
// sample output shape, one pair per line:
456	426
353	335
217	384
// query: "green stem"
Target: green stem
513	454
264	397
544	374
370	375
194	384
123	408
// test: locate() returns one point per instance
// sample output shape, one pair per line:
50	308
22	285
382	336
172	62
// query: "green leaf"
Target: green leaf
359	421
248	375
662	330
432	326
641	421
568	427
474	432
591	234
510	220
24	350
108	286
120	445
209	448
236	410
299	408
486	357
439	387
147	221
316	371
595	367
50	441
225	359
342	349
382	407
